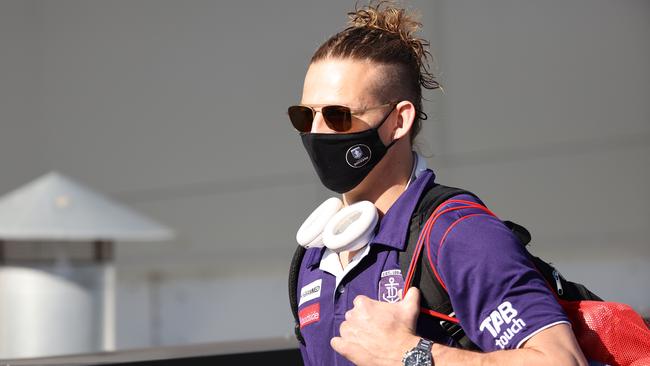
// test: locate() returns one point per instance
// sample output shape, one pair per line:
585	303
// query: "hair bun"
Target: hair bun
386	16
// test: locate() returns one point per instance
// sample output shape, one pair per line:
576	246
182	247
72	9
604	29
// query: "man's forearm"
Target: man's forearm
448	356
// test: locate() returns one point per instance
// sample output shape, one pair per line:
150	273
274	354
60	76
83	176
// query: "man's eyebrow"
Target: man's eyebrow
322	104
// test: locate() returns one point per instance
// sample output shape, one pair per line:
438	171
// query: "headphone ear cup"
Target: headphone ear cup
310	233
351	228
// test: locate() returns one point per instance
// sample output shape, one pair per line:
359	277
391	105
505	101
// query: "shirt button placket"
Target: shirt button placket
341	299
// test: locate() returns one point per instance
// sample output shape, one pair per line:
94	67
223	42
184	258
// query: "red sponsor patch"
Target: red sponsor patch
309	314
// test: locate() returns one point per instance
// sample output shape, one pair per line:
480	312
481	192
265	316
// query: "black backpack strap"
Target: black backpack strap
434	296
294	270
564	289
520	232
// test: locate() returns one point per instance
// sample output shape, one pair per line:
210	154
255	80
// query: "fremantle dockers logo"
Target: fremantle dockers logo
391	286
358	155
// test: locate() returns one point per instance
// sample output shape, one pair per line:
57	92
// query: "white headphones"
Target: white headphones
339	228
344	228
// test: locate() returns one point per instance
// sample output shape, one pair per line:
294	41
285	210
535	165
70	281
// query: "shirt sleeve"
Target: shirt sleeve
497	294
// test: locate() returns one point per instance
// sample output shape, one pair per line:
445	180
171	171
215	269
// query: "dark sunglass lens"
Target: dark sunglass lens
338	118
301	117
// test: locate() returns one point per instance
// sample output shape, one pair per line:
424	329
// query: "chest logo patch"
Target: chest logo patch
391	286
309	314
310	291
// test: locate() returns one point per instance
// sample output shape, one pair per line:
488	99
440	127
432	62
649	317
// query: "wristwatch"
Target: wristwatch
420	355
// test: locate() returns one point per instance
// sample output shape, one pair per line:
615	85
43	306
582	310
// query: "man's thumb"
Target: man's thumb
412	299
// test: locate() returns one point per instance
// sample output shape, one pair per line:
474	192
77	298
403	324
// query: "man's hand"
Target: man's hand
379	333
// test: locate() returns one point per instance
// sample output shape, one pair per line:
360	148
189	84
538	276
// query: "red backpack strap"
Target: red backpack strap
423	274
425	239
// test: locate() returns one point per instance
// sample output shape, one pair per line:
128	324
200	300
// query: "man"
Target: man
361	108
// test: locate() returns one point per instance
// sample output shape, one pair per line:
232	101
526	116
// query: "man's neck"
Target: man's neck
384	186
381	187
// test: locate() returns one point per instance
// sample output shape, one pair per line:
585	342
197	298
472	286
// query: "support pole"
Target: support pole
104	257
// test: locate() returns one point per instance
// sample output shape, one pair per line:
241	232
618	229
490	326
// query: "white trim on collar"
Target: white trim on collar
419	166
331	264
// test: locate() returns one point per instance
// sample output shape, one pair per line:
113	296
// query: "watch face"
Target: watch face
417	357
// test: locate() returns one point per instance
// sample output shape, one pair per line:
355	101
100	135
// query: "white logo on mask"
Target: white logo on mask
358	155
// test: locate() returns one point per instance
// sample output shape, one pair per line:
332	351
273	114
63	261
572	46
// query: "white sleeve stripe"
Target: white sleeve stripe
539	330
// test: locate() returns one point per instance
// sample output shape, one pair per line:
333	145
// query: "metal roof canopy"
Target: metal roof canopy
55	208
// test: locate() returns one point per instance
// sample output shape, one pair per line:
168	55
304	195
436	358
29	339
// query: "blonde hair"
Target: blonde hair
384	33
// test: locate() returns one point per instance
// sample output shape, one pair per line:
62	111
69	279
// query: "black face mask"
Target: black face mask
343	160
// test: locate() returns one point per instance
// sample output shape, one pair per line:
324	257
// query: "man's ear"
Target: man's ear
405	117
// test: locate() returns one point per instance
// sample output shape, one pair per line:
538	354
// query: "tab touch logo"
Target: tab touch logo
505	316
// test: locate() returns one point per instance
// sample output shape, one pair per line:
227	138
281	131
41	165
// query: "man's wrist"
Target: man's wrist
420	354
406	344
411	342
439	352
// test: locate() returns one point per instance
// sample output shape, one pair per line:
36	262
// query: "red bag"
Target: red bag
609	332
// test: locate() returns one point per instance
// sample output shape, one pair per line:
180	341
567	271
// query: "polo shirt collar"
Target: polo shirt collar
313	256
394	226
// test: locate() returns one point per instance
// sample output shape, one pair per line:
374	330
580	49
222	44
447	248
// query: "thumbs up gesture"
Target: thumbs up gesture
379	333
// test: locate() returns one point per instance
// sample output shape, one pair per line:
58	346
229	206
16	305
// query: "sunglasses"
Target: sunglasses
337	117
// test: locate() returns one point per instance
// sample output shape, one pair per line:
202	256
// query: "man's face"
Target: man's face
345	82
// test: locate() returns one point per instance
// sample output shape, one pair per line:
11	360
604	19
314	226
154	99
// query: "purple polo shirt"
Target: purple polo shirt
500	299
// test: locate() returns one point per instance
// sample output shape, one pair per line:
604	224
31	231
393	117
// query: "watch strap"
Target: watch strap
425	345
424	349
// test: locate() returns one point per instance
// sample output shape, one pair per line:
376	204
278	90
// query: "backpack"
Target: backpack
585	310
